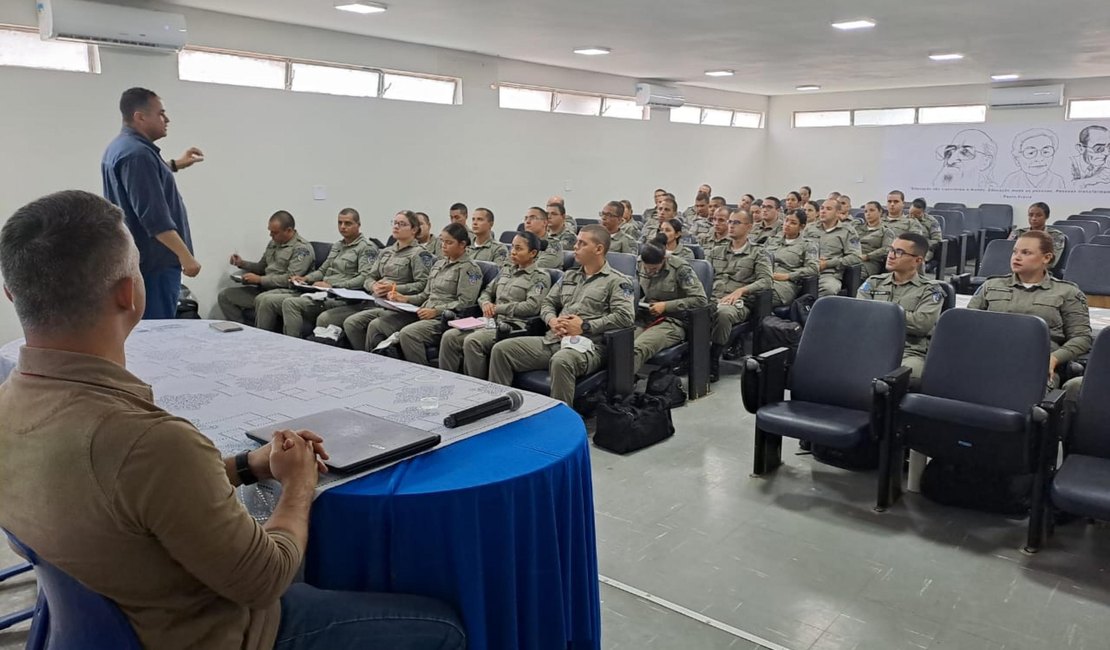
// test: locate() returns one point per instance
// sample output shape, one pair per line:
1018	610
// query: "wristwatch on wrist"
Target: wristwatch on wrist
243	469
586	327
173	165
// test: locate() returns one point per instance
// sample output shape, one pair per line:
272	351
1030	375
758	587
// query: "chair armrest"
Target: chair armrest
961	283
809	285
850	279
887	393
619	346
763	380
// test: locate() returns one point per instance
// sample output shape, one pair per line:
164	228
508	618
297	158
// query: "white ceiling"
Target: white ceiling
773	45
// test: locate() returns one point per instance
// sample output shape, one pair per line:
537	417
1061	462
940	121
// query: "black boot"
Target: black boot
715	363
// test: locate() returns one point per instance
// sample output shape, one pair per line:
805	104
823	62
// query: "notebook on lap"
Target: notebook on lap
355	441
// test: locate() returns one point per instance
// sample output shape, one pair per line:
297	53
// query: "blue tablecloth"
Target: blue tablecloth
500	525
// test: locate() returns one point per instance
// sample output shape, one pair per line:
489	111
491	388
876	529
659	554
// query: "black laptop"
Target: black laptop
355	441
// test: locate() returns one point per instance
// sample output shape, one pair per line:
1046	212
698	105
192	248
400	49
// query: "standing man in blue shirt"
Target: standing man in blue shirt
141	183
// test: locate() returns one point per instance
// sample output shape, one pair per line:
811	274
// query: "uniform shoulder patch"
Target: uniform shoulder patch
302	252
371	254
687	276
626	289
866	286
427	258
473	276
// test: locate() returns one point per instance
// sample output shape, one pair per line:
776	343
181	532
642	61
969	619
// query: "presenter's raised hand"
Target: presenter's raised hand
191	156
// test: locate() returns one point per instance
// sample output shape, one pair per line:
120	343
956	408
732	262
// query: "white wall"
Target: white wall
850	159
266	149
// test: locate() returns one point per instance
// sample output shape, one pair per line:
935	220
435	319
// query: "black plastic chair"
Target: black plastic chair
997	219
1101	240
832	402
1092	228
996	261
568	260
850	279
1100	210
692	354
1101	219
1089	267
17	617
583	222
1075	233
958	238
981	403
976	235
321	249
615	378
507	236
949	206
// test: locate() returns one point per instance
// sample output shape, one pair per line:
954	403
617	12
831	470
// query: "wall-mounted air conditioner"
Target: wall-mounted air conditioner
658	96
105	24
1026	96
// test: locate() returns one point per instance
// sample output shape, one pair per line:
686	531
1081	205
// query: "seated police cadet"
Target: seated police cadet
135	503
719	235
286	255
669	238
665	210
535	222
426	234
794	256
484	248
874	239
668	285
837	247
698	225
513	297
628	224
928	222
346	267
921	298
401	268
740	269
1032	290
656	197
771	220
453	283
1038	219
587	302
620	241
569	220
456	214
558	227
897	220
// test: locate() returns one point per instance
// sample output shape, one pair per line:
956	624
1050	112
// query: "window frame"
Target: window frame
1067	110
554	100
92	51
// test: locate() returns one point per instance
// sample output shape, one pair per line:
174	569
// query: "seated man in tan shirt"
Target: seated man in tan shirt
135	503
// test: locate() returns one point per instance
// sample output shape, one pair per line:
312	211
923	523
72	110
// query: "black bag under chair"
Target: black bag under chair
665	385
631	423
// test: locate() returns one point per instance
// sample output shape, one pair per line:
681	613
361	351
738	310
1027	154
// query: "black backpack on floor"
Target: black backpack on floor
663	384
633	422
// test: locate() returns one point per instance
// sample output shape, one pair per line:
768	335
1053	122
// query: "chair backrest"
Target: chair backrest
704	271
78	617
507	236
1101	240
584	221
389	241
699	252
973	219
1100	210
1101	219
321	249
568	261
489	272
949	206
626	264
996	215
996	259
1092	228
834	364
988	358
949	296
953	223
555	275
638	217
1089	267
1075	234
1090	433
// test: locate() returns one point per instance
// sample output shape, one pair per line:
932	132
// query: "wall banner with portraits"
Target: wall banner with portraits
1001	162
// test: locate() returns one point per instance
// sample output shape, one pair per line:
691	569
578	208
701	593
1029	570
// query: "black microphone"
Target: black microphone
510	401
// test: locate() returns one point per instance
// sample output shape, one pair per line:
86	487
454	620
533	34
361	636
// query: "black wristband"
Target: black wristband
173	165
243	469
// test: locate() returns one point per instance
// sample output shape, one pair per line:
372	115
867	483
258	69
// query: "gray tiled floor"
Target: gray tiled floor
800	559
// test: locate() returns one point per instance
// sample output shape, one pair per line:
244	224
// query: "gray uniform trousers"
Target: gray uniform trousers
233	300
467	351
267	308
727	317
383	326
655	339
294	312
415	336
536	353
355	325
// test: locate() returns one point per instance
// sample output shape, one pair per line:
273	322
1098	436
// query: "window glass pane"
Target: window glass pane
686	114
1085	109
822	118
747	120
577	104
334	81
884	116
418	89
524	99
213	67
951	114
623	108
26	49
717	117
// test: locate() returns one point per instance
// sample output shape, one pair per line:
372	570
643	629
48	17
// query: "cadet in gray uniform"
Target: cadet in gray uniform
557	200
286	255
620	241
698	224
1030	289
669	238
587	302
484	248
740	269
1038	218
665	210
921	298
558	227
770	223
668	285
513	297
402	267
453	284
874	239
535	222
347	266
628	224
719	235
794	258
456	214
897	220
837	245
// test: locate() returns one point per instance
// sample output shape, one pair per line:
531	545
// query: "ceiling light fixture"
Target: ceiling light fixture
862	23
719	73
946	57
1005	77
592	51
359	7
808	87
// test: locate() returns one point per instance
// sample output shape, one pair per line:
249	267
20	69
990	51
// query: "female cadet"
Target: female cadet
453	283
874	240
1038	214
1032	290
672	245
795	257
515	295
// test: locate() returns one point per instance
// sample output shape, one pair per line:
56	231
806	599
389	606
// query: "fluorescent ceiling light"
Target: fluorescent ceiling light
719	73
360	7
946	57
862	23
592	51
1005	77
808	87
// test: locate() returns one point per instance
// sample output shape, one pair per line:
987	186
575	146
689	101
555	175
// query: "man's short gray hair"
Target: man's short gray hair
61	256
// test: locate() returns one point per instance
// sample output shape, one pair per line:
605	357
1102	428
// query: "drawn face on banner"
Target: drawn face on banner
970	155
1035	153
1095	151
